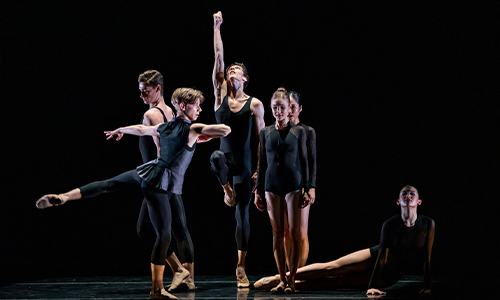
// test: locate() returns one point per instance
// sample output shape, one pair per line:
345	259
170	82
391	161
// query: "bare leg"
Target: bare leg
179	272
241	277
158	291
355	262
294	214
276	211
304	253
50	200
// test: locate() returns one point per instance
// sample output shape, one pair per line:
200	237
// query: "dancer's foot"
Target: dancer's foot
187	285
266	283
49	201
229	197
161	295
289	289
178	278
241	278
280	288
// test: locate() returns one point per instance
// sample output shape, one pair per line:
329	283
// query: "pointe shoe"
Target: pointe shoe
241	278
177	279
280	288
229	197
48	201
161	295
187	285
266	282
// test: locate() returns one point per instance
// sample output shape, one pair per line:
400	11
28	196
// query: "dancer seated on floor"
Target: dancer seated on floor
406	239
164	176
283	181
151	87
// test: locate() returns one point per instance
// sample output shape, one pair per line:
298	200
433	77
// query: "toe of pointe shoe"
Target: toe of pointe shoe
289	290
177	280
230	201
48	201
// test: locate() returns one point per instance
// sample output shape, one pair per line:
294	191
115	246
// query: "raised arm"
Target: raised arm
220	88
134	130
427	262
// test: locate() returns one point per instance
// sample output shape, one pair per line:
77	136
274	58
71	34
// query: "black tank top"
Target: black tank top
147	145
236	145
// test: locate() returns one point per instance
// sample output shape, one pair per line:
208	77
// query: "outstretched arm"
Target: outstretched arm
218	72
134	130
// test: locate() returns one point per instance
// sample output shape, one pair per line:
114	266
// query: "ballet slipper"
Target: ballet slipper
177	279
266	282
280	288
49	201
241	278
161	294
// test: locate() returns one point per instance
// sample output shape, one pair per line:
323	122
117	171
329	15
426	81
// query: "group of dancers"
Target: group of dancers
284	185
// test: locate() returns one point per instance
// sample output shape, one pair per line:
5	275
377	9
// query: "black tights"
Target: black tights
243	193
145	228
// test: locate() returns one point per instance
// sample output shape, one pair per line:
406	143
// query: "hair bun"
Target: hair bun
281	89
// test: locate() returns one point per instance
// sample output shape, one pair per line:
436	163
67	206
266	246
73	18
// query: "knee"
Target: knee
295	234
218	158
278	233
164	236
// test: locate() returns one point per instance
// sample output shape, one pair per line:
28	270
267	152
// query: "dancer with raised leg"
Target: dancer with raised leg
283	176
151	87
233	162
406	239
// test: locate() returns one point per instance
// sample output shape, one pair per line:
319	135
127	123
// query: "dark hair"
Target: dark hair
282	94
152	78
410	186
296	96
245	72
186	96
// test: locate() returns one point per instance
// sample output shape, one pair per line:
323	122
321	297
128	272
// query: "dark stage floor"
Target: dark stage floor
223	287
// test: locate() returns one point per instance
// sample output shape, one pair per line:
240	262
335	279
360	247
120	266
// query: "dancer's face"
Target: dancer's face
191	111
280	108
149	94
295	110
408	197
235	72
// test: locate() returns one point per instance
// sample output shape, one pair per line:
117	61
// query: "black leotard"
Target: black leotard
234	160
407	246
311	154
283	166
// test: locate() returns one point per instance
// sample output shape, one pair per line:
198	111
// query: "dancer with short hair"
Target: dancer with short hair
233	162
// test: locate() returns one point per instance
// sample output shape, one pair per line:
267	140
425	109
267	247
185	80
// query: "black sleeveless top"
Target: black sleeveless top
147	145
236	145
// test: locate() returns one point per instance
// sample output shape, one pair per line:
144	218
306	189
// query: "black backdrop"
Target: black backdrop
399	93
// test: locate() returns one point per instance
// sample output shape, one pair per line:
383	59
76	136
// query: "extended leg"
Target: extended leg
294	214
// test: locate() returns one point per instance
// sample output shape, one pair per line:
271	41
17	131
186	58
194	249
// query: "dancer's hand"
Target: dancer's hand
258	201
312	195
304	199
202	138
374	293
254	182
111	134
425	291
217	19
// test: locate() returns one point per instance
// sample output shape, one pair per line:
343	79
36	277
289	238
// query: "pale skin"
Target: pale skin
327	274
284	212
233	86
151	96
198	133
